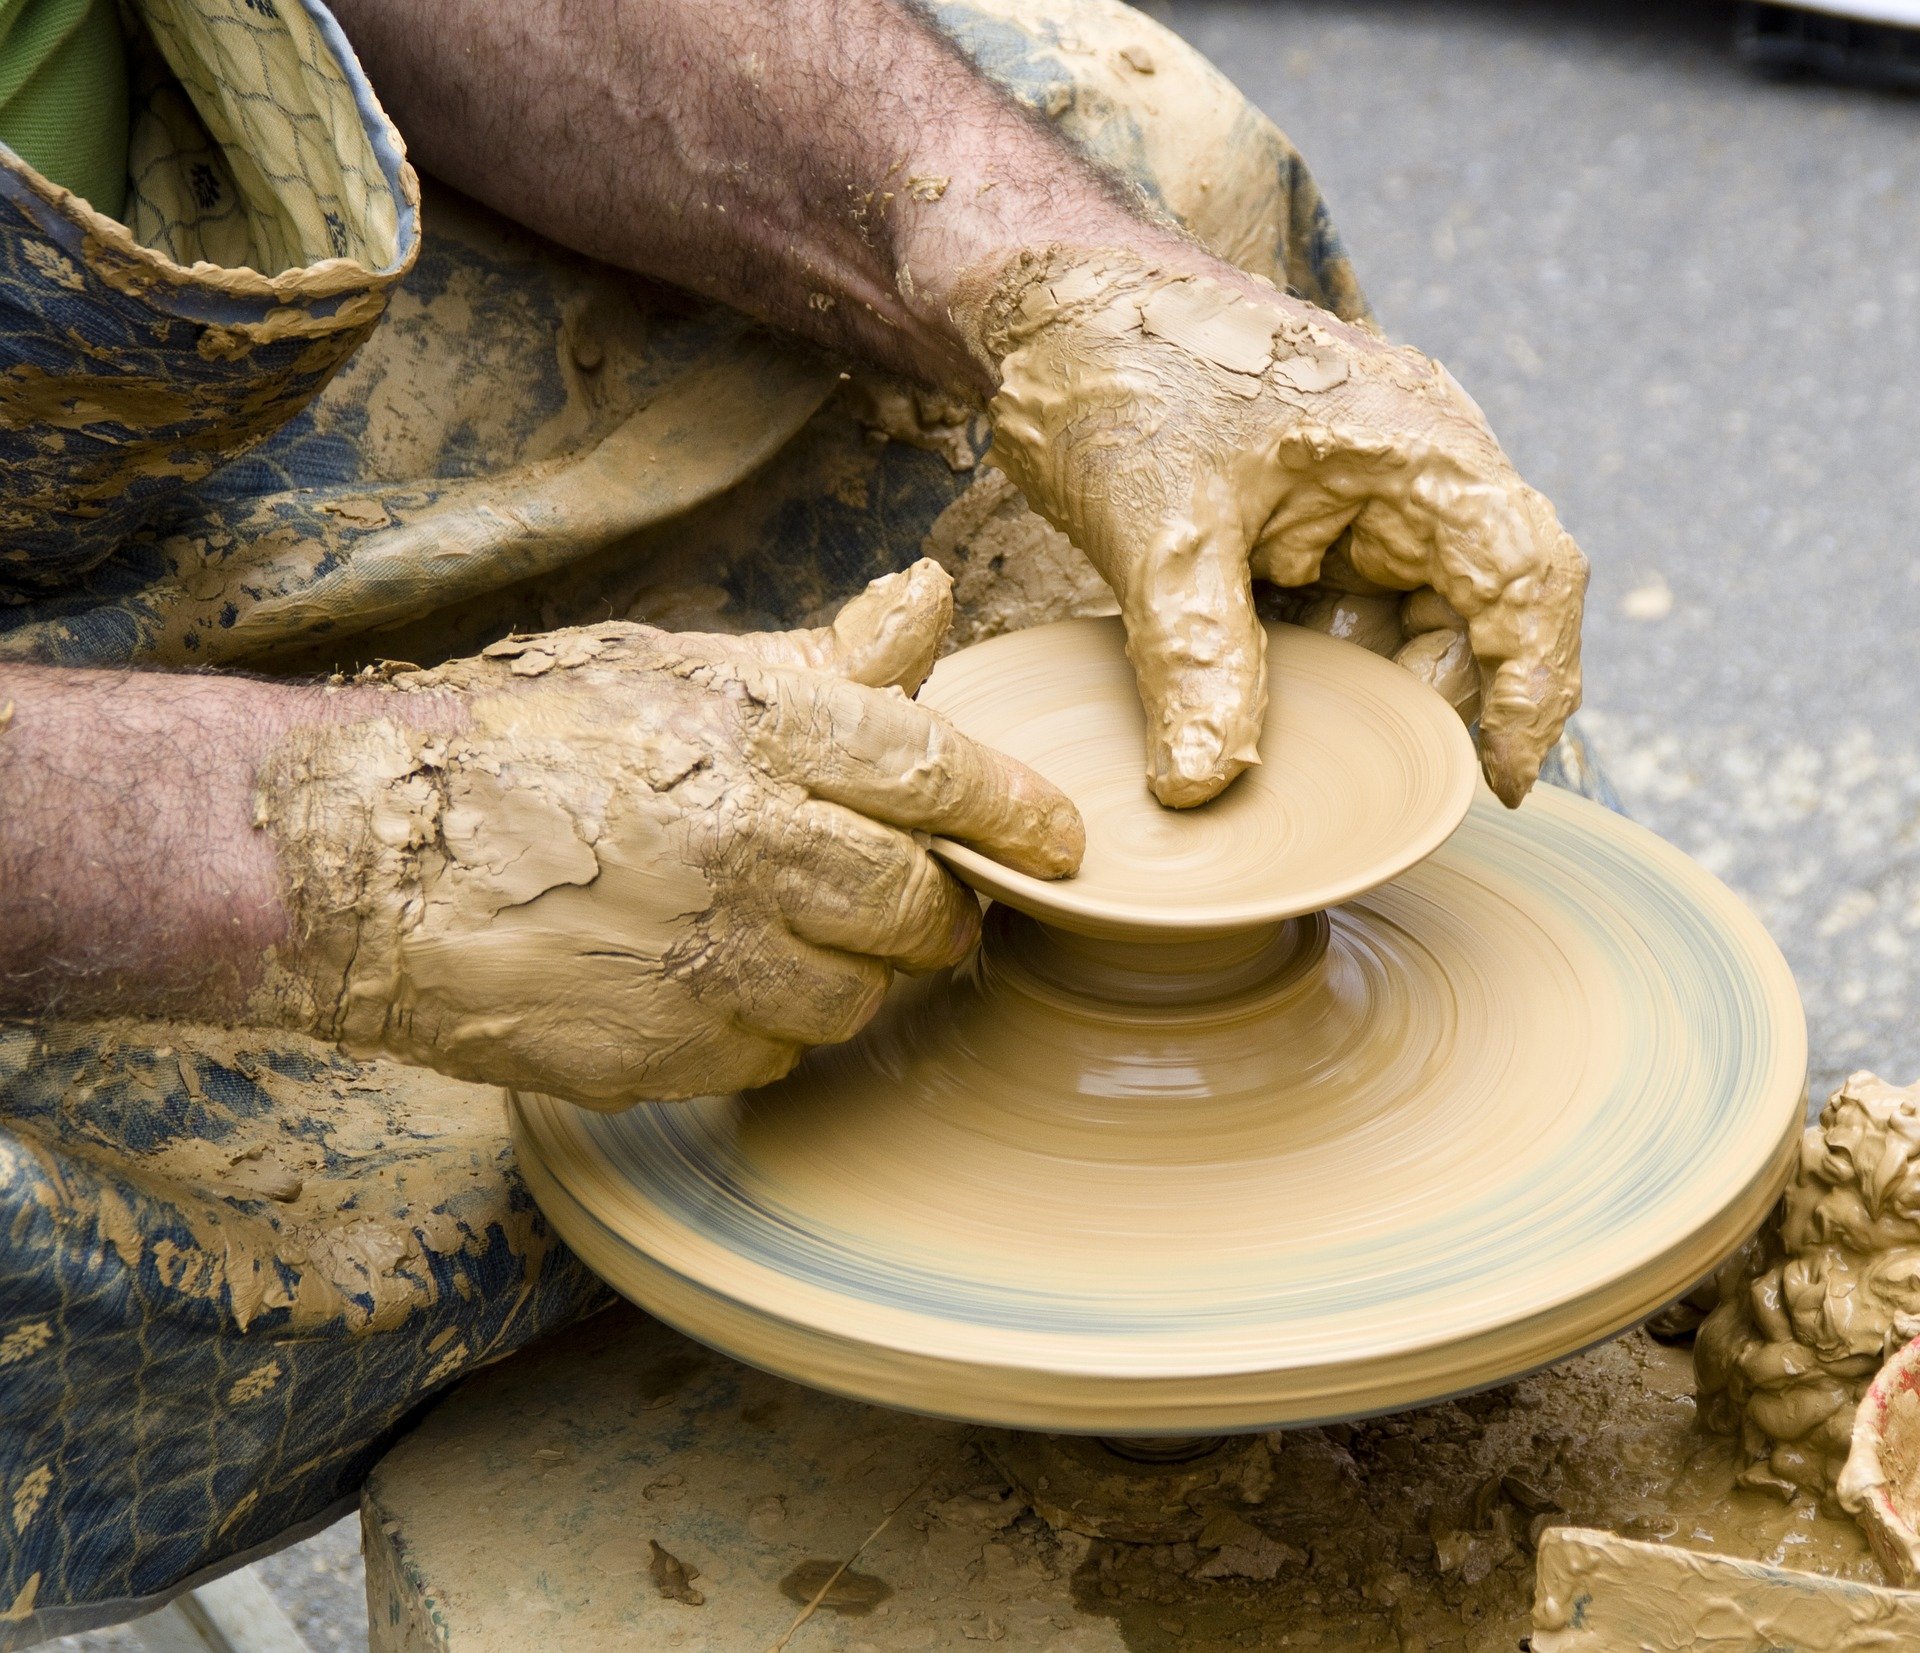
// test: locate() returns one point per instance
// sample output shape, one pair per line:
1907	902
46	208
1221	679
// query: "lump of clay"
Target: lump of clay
926	419
1826	1292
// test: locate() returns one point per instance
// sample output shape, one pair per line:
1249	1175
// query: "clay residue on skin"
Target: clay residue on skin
1372	622
623	875
1599	1592
1419	631
1829	1289
1186	432
1443	660
1213	162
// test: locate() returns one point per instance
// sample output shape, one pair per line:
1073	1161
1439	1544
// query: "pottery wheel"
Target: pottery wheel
1191	1156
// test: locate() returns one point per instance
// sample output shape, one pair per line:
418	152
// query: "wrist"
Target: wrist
986	228
982	302
131	880
347	802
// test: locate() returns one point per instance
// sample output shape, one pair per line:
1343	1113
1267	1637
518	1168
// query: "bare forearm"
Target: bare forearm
132	878
834	166
130	873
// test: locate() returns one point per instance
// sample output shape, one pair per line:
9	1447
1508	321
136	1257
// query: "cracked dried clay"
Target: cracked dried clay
615	863
1189	433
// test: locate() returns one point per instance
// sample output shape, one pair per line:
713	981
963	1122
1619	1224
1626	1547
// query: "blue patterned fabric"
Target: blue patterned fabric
234	1264
318	535
232	1268
125	378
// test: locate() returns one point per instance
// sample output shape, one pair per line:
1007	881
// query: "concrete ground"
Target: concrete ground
1689	301
320	1584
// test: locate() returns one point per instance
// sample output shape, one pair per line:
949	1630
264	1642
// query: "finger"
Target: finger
718	1058
729	1058
1338	572
879	753
1427	610
1199	657
1324	477
790	989
1458	519
888	636
850	883
1528	644
1443	660
1372	622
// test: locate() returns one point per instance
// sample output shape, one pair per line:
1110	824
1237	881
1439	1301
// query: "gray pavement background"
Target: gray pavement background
1689	301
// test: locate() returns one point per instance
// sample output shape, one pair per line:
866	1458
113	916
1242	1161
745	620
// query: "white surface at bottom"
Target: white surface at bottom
1905	12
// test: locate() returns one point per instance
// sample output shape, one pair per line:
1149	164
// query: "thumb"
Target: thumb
887	637
1199	655
1528	645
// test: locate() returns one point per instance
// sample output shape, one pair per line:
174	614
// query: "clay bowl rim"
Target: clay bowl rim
1864	1481
1061	904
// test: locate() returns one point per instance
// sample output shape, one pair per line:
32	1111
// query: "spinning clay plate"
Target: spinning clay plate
1462	1125
1363	772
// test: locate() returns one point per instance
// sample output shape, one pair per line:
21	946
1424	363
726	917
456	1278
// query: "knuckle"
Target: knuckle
916	893
843	997
885	868
849	1002
749	1066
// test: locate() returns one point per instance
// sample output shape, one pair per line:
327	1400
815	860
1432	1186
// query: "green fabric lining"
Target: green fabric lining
63	95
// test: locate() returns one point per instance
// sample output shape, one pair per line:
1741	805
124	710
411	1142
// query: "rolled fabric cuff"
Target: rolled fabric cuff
270	213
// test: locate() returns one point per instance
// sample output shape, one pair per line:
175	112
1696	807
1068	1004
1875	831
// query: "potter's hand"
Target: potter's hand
645	865
1189	431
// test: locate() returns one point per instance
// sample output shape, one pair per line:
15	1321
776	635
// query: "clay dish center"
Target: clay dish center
1363	773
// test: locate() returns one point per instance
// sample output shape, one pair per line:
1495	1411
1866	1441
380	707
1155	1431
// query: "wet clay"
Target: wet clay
1010	568
1184	432
323	1222
1599	1592
1459	1126
1825	1294
926	419
622	865
1880	1483
1362	775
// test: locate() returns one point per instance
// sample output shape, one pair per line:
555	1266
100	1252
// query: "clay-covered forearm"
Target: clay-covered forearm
133	878
834	166
646	865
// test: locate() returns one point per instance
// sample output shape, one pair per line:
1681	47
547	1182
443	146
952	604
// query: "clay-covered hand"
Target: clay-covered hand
645	865
1189	431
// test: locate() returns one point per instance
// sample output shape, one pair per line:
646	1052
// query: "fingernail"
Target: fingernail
1066	839
1192	767
1510	776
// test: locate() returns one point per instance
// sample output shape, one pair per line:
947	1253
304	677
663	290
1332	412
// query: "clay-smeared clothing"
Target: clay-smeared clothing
281	417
